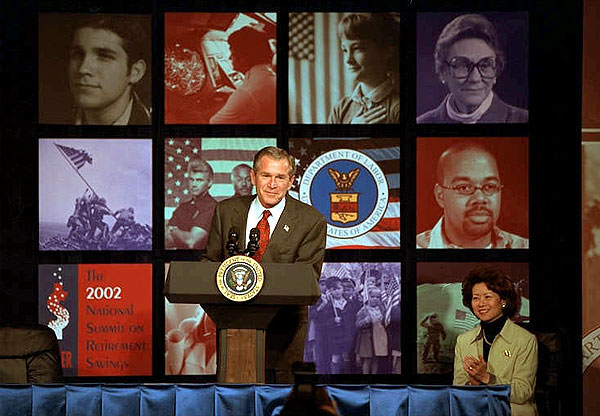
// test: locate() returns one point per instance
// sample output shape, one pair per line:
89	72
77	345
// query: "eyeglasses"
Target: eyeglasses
488	189
461	67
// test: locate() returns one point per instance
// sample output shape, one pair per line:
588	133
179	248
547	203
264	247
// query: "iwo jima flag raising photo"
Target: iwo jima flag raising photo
95	194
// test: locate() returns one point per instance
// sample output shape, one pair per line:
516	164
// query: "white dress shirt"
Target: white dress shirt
256	213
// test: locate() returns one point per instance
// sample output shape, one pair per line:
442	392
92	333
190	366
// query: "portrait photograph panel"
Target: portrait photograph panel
473	192
355	184
442	316
473	67
344	68
95	194
354	328
220	68
199	172
95	69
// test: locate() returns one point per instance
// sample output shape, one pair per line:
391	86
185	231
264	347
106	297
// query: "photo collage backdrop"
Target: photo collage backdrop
121	186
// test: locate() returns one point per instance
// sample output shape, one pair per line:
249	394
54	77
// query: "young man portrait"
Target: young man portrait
107	58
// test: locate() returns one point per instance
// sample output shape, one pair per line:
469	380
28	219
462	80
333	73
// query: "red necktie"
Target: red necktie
265	230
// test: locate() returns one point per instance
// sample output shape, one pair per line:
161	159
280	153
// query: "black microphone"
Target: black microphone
233	237
253	243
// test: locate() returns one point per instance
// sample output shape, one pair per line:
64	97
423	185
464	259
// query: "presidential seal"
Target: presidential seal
349	189
240	278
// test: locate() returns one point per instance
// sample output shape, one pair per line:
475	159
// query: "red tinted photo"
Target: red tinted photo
220	68
473	193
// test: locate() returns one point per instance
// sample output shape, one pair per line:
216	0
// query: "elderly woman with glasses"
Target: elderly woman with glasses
468	60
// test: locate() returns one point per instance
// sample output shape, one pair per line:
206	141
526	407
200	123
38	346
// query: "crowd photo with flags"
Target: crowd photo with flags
354	328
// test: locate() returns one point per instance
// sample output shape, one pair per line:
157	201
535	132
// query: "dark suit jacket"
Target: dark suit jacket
303	242
29	354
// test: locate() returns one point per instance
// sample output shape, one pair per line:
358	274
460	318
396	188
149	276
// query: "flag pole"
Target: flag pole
74	168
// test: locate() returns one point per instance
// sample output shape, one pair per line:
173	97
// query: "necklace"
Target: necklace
486	340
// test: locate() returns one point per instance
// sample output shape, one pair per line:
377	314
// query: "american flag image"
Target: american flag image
390	298
317	79
386	153
77	156
222	154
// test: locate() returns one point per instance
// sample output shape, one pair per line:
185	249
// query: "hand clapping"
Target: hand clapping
476	368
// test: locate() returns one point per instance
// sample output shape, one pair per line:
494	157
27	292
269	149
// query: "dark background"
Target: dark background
513	32
554	135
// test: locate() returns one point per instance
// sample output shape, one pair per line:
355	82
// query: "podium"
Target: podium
241	326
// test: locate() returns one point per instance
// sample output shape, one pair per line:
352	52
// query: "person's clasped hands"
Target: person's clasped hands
371	116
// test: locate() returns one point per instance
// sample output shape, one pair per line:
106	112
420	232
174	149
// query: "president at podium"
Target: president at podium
289	231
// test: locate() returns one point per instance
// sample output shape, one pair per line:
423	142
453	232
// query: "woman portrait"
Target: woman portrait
469	60
497	351
370	48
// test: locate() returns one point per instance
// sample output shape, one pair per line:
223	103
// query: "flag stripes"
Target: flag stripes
76	156
315	85
222	154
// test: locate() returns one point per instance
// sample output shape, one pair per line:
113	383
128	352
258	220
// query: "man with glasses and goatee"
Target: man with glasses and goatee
469	191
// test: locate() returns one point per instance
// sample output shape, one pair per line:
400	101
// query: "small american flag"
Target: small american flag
77	156
464	320
392	295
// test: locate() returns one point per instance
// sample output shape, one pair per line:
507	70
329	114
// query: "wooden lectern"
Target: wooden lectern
241	326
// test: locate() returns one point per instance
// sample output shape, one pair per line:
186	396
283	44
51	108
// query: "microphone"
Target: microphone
232	240
253	243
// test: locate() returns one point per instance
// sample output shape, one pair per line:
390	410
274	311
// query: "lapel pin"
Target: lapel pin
507	353
286	228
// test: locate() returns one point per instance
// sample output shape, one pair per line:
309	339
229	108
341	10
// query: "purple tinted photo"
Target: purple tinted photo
95	194
354	328
472	68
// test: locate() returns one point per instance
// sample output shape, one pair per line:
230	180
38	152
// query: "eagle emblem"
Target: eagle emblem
241	278
343	181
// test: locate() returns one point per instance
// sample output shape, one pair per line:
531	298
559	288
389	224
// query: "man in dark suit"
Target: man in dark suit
296	233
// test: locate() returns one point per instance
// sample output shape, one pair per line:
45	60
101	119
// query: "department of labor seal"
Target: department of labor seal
348	188
240	278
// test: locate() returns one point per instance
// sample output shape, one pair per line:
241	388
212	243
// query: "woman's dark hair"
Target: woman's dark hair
467	26
381	28
497	282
